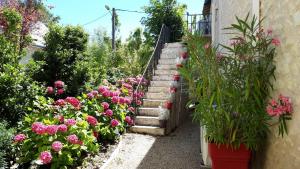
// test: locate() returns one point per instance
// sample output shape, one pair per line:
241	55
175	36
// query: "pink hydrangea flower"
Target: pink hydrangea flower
106	93
105	105
108	112
46	157
74	102
60	102
92	120
38	128
95	92
128	120
102	89
51	129
70	122
116	93
90	95
114	122
60	91
57	146
115	99
19	137
121	100
62	128
131	109
128	100
275	41
50	90
59	84
73	139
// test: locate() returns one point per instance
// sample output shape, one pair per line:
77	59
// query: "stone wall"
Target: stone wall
284	18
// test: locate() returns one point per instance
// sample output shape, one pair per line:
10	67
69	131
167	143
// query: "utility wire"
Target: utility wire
125	10
92	21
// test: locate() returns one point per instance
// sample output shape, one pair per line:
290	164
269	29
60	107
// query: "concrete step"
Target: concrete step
159	96
166	67
167	61
149	111
174	45
148	130
163	78
146	121
170	55
153	102
165	72
158	89
160	83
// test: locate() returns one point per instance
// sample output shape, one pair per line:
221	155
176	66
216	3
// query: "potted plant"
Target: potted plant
232	91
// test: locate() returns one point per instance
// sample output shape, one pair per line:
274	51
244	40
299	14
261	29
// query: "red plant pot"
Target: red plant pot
176	77
224	157
184	55
168	105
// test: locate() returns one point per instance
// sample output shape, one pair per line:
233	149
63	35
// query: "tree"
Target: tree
167	12
65	58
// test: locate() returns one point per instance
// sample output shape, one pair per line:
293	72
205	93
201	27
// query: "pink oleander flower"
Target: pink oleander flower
275	42
51	129
50	90
139	102
57	146
131	109
73	139
115	99
74	102
206	46
60	102
116	93
269	31
105	105
59	84
102	89
95	93
127	86
128	120
114	123
70	122
128	100
92	120
60	91
38	128
280	107
90	95
19	138
108	113
173	90
46	157
62	128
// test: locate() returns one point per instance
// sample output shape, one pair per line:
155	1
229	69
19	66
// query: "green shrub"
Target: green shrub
6	149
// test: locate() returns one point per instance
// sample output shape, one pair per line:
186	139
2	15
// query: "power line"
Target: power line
92	21
125	10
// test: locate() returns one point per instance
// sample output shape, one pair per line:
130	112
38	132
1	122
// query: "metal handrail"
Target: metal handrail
163	38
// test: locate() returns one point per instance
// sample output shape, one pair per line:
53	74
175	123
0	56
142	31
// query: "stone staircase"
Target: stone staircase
147	121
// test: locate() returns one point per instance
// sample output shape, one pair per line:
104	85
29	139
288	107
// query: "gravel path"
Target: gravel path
179	150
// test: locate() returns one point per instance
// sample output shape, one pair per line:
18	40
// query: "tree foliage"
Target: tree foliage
167	12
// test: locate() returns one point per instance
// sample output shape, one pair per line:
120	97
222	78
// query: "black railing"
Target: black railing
148	73
199	23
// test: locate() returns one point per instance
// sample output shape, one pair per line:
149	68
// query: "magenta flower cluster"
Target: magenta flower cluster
281	106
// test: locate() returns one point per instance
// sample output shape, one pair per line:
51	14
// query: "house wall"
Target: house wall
284	18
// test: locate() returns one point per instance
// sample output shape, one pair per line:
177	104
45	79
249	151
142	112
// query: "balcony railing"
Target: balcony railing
199	23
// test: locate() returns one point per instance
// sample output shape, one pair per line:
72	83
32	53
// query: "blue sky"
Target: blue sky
80	12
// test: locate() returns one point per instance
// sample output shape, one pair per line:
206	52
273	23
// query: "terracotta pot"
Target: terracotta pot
224	157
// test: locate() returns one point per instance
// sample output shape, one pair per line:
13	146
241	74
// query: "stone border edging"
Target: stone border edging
116	151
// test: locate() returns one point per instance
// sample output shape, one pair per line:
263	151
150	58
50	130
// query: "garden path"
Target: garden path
178	150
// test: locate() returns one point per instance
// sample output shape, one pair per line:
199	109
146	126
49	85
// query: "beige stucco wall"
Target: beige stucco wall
223	15
284	18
